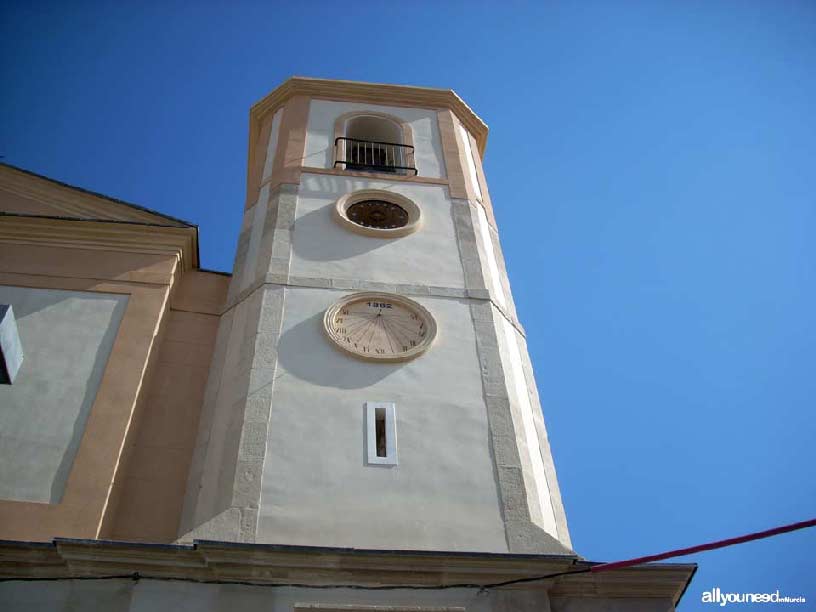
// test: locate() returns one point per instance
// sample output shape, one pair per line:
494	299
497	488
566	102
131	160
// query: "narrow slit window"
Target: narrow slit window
379	426
381	433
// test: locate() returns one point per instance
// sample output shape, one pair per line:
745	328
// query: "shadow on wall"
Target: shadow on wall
27	302
318	159
306	353
89	396
46	410
334	186
313	241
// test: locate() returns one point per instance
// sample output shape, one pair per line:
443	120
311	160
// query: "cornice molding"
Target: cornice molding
313	566
72	201
375	93
102	234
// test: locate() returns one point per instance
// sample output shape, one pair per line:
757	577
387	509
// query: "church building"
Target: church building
348	422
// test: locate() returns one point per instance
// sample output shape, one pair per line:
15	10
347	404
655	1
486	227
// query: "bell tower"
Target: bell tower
370	385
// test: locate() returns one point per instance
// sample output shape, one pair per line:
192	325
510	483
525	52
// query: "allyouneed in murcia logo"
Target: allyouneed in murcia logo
716	596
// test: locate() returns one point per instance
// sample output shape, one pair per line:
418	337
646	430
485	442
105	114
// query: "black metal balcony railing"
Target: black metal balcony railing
374	156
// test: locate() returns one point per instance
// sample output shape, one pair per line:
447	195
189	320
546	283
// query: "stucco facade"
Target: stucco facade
213	410
95	284
68	338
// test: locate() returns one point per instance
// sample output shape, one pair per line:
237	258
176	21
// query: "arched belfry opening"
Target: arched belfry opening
371	128
374	143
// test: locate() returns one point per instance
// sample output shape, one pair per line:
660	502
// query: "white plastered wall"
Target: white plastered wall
322	248
317	487
319	151
535	478
490	264
464	140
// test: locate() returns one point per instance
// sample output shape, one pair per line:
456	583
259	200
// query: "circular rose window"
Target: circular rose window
378	213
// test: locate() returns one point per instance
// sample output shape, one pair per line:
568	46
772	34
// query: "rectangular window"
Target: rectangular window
381	433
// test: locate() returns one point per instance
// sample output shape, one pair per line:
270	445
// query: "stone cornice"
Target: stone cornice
374	93
312	566
102	234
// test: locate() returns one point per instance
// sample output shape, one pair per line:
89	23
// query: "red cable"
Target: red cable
701	547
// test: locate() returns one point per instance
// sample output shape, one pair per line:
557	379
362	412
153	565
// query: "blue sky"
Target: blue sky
653	170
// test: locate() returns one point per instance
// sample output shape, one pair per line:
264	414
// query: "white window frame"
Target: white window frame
390	433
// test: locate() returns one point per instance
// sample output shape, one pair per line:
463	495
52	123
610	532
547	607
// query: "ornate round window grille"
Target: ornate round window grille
378	214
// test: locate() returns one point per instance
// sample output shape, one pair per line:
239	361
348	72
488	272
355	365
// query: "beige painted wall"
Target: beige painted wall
133	265
81	508
150	493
